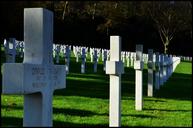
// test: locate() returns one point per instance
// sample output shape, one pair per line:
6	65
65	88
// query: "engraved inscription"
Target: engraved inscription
39	77
56	72
38	71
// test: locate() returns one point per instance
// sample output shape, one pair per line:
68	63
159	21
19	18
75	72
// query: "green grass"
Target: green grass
85	101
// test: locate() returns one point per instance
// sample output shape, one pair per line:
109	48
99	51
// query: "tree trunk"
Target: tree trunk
165	49
166	43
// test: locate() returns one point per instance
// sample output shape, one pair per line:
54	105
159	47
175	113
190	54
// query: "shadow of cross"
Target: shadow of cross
36	78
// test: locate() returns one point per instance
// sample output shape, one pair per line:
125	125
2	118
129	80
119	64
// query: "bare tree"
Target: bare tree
168	18
164	18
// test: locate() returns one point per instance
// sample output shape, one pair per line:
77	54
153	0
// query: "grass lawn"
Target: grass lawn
85	101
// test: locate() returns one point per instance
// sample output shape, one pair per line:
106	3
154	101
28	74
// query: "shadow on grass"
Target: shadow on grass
65	111
85	88
154	100
18	122
75	67
178	86
166	110
73	112
91	75
97	87
15	121
69	124
139	116
8	107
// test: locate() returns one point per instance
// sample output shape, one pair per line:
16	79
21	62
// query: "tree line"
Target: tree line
165	26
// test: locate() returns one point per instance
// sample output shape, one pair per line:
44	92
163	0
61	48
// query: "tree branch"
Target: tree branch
64	11
160	33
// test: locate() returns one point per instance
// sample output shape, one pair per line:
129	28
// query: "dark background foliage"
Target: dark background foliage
90	23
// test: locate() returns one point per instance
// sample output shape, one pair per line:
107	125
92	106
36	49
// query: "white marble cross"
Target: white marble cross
146	58
21	47
157	72
98	53
175	62
95	58
161	69
108	54
36	78
17	46
171	65
104	59
57	51
123	56
83	57
10	50
91	54
165	64
4	43
115	68
168	66
128	59
150	66
67	58
138	66
77	51
132	58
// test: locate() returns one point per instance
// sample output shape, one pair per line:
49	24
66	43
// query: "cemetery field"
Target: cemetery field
85	101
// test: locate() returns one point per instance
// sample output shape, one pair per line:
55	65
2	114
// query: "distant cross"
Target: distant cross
10	50
138	66
95	60
157	71
150	66
83	57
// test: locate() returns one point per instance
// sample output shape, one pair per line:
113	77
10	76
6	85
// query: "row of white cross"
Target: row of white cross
162	68
128	58
37	77
14	47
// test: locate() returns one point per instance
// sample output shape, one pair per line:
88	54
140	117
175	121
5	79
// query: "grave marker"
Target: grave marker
132	58
95	60
67	58
10	50
104	59
161	69
91	54
150	66
57	53
171	65
165	68
83	56
77	54
138	66
115	68
21	49
127	58
157	72
36	78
